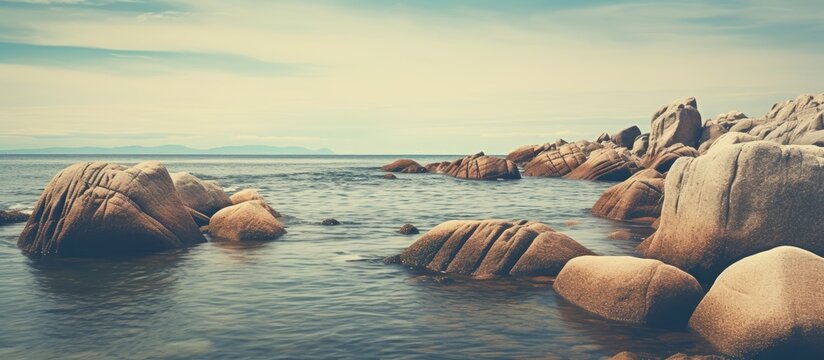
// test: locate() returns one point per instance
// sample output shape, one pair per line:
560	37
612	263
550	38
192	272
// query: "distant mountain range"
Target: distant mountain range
170	150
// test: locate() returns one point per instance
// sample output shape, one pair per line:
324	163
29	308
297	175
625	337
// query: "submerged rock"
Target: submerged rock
204	196
408	229
390	176
638	199
492	248
96	208
482	167
248	221
556	163
13	216
737	201
330	222
767	305
404	166
624	288
676	123
606	164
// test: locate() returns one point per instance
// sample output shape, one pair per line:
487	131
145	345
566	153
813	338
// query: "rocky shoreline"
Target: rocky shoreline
736	202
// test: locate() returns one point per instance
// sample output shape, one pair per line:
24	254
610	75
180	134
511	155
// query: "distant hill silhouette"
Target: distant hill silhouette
171	150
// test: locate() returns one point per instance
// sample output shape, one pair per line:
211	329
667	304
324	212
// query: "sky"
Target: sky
388	77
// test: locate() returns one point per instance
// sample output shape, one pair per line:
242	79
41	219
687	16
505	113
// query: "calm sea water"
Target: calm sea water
319	291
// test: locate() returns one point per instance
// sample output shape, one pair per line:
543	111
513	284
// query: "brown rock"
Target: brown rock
638	199
404	166
709	134
437	167
606	164
676	123
203	196
664	159
95	208
639	147
556	163
252	195
13	216
766	305
623	288
408	229
248	221
492	248
737	201
626	137
482	167
390	176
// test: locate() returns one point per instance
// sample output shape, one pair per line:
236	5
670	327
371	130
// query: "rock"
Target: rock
626	137
663	161
626	355
404	166
248	221
95	208
252	195
732	138
330	222
556	163
745	125
639	147
606	164
739	200
709	134
390	176
437	167
624	288
766	305
603	137
482	167
524	154
638	199
203	196
408	229
619	235
682	356
200	218
676	123
13	216
492	248
727	120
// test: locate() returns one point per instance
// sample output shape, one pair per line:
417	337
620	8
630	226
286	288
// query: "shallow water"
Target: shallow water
319	291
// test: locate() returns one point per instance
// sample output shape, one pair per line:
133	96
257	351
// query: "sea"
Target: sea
318	292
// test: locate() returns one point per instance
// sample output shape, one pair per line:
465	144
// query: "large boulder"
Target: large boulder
404	166
676	123
634	290
556	163
739	200
663	161
639	147
767	305
626	137
482	167
526	153
606	164
252	195
248	221
638	199
492	248
96	208
206	197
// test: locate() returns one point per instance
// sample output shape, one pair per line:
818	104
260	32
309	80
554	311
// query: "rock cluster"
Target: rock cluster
481	167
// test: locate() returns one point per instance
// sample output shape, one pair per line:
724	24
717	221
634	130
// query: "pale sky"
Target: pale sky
371	76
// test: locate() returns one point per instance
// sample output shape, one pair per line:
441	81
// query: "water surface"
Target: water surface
319	291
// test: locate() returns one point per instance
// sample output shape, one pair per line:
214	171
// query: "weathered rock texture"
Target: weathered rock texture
482	167
732	138
524	154
663	161
768	305
204	196
404	166
624	288
737	201
96	208
556	163
606	164
639	147
638	199
248	221
492	248
676	123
